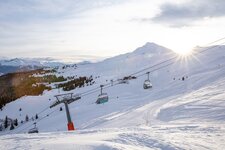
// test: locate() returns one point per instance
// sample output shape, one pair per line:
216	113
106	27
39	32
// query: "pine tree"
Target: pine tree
1	127
16	122
36	116
60	109
26	118
12	126
182	78
6	122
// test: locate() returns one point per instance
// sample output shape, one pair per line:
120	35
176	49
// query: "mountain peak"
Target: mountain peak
151	44
151	47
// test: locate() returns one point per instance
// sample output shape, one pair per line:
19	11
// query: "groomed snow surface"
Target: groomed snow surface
174	114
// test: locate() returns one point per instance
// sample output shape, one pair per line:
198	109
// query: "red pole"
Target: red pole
70	123
70	126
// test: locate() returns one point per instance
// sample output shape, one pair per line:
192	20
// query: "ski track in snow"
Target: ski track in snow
167	137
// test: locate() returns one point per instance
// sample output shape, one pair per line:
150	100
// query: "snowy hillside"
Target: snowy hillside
185	109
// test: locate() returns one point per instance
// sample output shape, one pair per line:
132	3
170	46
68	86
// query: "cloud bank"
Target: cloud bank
184	14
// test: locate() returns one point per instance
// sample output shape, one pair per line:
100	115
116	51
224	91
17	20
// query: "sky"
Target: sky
96	29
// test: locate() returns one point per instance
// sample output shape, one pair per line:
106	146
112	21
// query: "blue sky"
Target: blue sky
95	29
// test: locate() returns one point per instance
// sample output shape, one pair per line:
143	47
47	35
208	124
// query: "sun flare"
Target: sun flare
184	52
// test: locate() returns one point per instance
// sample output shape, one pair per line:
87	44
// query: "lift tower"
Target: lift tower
148	74
66	99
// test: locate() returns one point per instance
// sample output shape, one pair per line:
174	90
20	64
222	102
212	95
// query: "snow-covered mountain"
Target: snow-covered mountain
185	109
19	62
24	64
47	62
8	65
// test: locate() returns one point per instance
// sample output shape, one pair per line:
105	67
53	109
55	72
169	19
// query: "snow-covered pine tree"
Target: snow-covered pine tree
6	122
16	122
1	127
36	116
26	118
12	126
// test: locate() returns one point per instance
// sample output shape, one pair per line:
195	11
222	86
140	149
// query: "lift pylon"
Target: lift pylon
101	86
66	99
148	75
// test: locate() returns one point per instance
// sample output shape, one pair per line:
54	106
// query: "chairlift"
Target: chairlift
33	130
147	83
102	97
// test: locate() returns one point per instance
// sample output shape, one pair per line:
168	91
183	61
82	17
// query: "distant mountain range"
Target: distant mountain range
24	64
8	65
8	69
47	62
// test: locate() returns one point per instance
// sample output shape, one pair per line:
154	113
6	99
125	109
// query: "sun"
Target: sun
184	52
182	49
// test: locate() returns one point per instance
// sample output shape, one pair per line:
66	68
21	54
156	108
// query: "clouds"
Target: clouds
186	13
29	10
42	28
45	27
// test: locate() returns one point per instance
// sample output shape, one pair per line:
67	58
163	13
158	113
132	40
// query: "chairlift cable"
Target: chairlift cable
97	89
147	68
179	83
37	121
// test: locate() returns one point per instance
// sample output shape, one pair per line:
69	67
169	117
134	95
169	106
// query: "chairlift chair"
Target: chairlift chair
33	130
102	97
147	83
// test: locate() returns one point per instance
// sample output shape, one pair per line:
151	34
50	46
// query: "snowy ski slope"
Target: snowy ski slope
174	114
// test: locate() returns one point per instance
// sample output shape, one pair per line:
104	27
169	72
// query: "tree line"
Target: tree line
76	83
16	85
